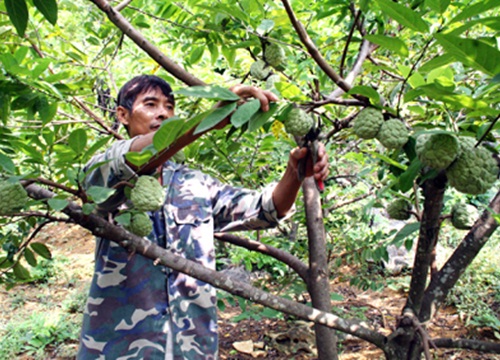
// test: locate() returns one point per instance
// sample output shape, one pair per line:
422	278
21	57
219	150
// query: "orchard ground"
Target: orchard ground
35	310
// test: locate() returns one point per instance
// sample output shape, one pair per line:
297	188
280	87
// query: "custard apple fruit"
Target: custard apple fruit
399	209
274	55
260	70
147	194
393	134
437	151
13	197
474	171
271	80
368	122
298	122
463	215
140	224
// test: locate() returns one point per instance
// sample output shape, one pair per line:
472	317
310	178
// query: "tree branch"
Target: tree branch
298	266
458	262
141	246
484	346
169	65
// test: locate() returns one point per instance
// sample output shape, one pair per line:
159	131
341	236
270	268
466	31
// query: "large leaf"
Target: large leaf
472	52
18	14
167	133
405	231
48	8
406	179
389	42
78	140
100	193
403	15
438	6
261	117
209	92
215	117
476	9
42	250
244	112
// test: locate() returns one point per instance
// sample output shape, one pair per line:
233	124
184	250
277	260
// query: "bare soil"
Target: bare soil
264	338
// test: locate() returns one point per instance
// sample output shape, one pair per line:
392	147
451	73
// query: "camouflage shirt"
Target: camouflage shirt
137	310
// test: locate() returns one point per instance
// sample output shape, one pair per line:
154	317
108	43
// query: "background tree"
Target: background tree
434	65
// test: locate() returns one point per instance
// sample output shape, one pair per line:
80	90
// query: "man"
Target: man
137	310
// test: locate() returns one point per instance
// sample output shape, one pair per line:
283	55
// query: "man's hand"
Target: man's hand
320	170
246	91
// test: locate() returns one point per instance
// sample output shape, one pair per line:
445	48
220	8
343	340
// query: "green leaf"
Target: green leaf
18	14
438	6
42	250
7	164
476	9
244	112
403	15
389	42
88	208
100	193
472	52
30	257
78	140
367	91
167	133
209	92
196	55
388	160
405	231
57	204
138	158
20	272
406	179
215	117
48	8
261	117
437	62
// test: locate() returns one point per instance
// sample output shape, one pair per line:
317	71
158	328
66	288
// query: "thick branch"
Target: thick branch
298	266
135	244
429	230
169	65
458	262
484	346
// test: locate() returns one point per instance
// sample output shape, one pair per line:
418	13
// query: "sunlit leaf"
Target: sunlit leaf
57	204
245	112
167	133
403	15
138	158
261	117
215	118
475	9
367	91
100	193
472	52
78	140
208	92
389	42
438	6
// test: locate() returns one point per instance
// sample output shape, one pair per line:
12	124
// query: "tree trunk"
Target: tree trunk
318	279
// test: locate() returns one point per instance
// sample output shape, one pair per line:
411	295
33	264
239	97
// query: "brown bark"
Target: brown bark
318	283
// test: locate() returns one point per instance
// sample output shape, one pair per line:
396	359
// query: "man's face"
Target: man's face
148	111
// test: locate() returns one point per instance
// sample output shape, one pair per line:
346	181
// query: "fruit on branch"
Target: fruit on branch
393	134
260	70
271	80
13	197
399	209
437	151
274	55
463	215
474	171
140	224
368	122
298	122
147	194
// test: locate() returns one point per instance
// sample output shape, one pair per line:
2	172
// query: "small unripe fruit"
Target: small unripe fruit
393	134
463	216
13	197
298	122
399	209
274	55
140	224
260	70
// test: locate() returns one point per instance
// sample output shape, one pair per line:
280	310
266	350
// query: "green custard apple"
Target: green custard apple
13	197
437	151
147	194
393	134
368	123
298	122
399	209
260	70
140	224
274	55
463	215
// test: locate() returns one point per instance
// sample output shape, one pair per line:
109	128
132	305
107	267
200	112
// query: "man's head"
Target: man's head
143	103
